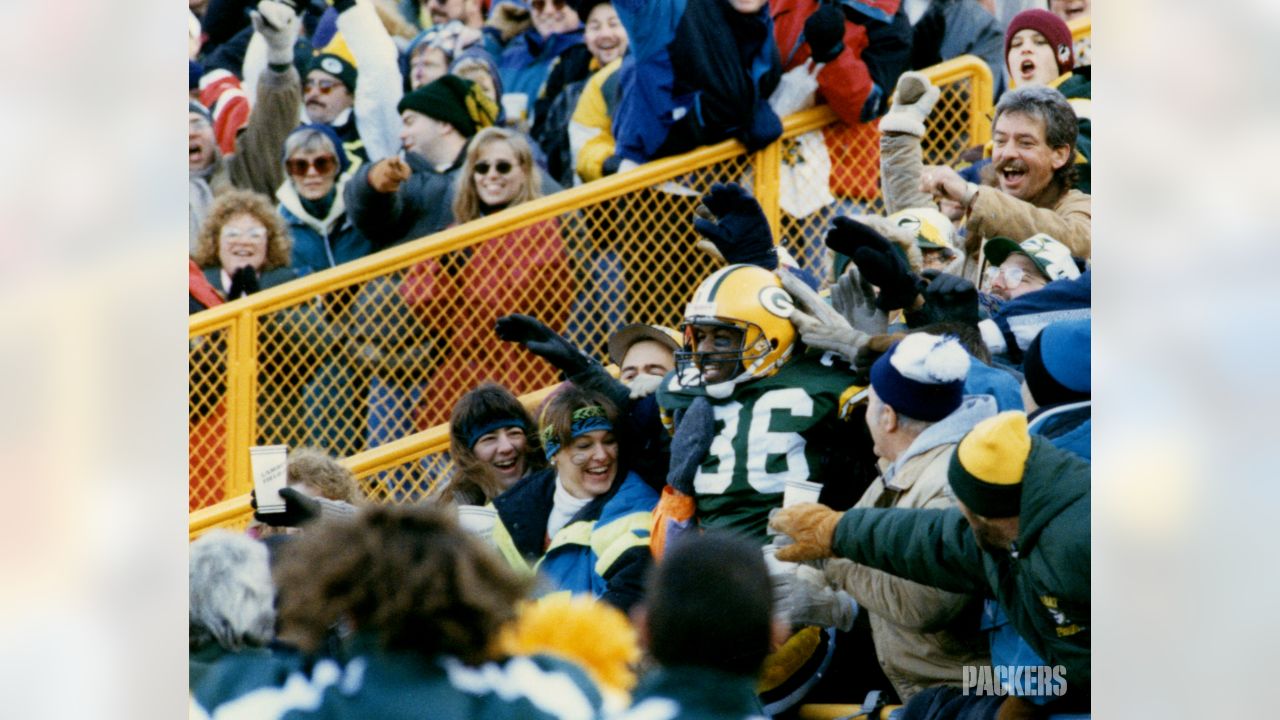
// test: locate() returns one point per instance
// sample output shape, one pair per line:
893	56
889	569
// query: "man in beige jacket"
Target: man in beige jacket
916	412
1027	189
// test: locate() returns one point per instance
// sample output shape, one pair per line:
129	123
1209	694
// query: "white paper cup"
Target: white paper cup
515	105
800	491
270	475
477	519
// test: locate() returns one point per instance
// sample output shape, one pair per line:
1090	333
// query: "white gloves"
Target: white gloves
814	602
278	25
821	326
854	298
796	89
912	103
643	385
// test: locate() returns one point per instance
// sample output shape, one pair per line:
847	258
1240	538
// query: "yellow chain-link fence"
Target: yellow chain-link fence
359	358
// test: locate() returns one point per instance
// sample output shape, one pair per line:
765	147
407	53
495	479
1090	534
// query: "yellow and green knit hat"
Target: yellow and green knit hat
453	100
987	467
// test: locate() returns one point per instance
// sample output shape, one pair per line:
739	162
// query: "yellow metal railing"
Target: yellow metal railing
364	360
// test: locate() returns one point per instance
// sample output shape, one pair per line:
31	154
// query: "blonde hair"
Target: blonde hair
466	201
243	202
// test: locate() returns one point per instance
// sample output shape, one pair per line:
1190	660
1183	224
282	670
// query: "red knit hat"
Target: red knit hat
1051	27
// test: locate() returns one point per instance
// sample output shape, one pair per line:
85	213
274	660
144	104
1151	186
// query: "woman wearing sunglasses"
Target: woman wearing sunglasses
311	201
459	296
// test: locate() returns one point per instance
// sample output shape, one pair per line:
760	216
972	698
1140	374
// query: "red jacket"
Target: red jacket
526	271
844	84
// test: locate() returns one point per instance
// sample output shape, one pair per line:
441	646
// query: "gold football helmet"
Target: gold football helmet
751	300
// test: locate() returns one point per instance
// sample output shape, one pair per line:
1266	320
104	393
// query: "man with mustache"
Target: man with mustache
1027	188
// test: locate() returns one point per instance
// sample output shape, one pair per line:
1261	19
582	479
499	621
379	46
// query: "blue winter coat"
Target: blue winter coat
697	72
320	243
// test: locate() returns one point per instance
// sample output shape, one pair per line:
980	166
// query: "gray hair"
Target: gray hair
231	594
308	140
1051	108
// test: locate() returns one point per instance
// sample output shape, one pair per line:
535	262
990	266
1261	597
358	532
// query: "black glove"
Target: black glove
948	298
824	31
243	282
742	232
878	262
543	342
299	509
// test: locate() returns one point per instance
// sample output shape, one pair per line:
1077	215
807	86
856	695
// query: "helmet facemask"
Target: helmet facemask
730	359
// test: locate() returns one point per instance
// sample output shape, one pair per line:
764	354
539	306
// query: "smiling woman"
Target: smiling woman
498	174
243	245
584	522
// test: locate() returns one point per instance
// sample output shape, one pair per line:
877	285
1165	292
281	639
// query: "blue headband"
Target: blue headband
585	420
473	435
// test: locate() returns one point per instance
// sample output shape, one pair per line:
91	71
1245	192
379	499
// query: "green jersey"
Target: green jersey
768	431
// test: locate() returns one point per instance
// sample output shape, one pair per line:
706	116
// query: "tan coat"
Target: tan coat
923	636
993	212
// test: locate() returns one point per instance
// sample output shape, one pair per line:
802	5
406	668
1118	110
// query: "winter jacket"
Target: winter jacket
1042	582
923	635
697	72
603	549
370	682
591	140
422	205
1067	426
459	297
255	165
552	133
994	213
525	63
320	243
695	693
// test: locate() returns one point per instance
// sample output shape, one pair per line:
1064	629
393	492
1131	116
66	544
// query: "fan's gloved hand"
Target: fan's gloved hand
912	102
244	281
643	385
947	298
508	19
299	509
819	325
386	175
543	342
878	261
824	31
814	602
278	25
737	226
782	577
854	298
811	526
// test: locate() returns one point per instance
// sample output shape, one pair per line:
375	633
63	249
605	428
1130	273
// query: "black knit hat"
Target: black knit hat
453	100
337	66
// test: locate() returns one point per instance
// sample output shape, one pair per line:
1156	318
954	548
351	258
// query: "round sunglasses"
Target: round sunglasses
298	167
502	166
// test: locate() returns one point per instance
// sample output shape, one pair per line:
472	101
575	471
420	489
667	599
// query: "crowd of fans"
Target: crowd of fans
930	391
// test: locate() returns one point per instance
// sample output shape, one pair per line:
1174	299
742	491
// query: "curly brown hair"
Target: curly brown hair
314	467
237	202
409	575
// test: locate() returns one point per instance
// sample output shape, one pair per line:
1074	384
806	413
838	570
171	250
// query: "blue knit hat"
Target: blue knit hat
922	376
1057	365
